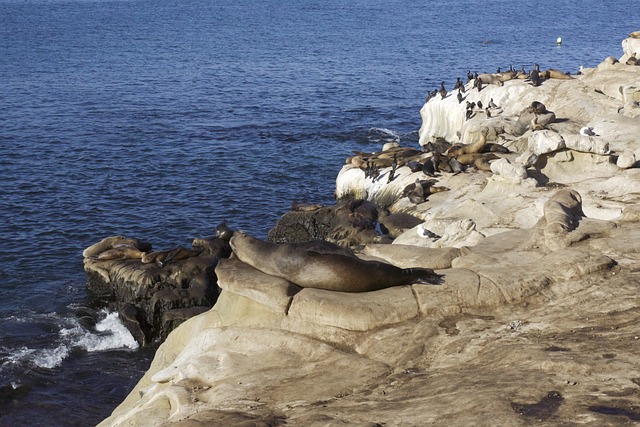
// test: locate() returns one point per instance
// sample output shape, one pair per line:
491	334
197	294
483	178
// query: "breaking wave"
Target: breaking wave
107	334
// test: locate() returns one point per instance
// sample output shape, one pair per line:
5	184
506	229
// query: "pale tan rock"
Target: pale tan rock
626	160
545	141
407	256
509	171
586	144
354	312
242	279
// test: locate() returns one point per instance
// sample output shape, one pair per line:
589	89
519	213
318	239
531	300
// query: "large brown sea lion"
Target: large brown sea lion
324	265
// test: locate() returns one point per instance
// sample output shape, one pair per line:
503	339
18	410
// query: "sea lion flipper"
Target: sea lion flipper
423	276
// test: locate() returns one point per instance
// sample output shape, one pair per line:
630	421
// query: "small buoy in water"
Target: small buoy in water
559	41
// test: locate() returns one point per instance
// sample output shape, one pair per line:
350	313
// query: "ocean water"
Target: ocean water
158	119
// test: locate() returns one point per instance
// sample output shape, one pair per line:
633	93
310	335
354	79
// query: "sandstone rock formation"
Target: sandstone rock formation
535	322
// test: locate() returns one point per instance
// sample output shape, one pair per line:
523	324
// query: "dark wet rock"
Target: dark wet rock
153	300
348	223
541	410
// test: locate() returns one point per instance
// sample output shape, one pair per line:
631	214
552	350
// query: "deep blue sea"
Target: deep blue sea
158	119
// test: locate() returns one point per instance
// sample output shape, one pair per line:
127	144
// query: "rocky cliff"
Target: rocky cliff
536	318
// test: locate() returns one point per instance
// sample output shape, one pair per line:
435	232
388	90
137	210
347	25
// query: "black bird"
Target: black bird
458	84
498	70
469	76
443	91
469	114
486	110
475	75
492	104
462	89
478	84
428	97
535	77
459	97
455	165
479	104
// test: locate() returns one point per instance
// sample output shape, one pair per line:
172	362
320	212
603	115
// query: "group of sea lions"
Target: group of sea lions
316	264
433	159
122	248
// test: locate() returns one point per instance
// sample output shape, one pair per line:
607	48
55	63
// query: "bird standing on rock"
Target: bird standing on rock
535	77
443	91
459	96
458	84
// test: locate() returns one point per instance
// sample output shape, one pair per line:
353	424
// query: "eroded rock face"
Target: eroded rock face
153	300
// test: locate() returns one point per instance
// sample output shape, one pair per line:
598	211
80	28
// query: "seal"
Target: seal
323	265
223	231
476	147
115	242
162	258
121	252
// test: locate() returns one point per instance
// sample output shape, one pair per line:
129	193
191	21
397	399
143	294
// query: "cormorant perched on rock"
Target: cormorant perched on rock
479	103
458	84
535	77
443	91
469	76
492	104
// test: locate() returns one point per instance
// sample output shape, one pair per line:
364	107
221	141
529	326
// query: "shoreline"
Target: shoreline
320	357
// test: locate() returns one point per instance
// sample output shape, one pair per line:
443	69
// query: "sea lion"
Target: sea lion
397	223
223	231
324	265
552	73
488	79
162	258
304	207
113	242
476	147
212	246
121	252
635	35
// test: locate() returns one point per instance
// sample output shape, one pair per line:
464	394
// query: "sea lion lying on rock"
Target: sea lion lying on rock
536	115
324	265
162	258
115	242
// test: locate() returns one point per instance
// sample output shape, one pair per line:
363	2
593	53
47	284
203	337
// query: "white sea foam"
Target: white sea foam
109	334
384	133
47	358
113	334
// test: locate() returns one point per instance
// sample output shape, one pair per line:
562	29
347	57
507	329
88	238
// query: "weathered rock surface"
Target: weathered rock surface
153	300
536	321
